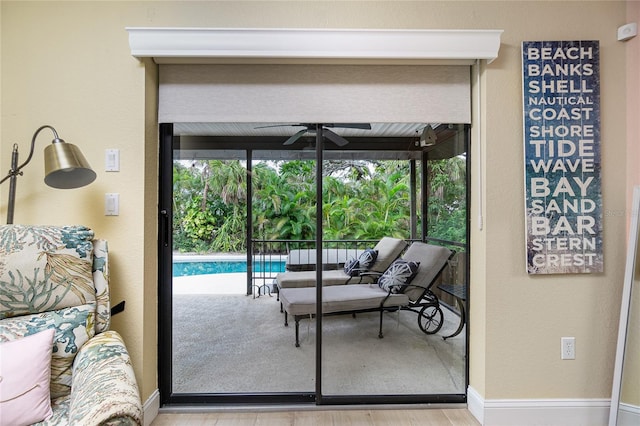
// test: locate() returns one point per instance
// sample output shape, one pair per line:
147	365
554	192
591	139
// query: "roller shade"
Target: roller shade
314	93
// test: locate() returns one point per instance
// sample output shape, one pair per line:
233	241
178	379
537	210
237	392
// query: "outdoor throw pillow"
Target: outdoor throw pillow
367	259
25	370
351	267
398	276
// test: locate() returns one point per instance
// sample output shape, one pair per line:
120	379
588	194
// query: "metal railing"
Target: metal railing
271	257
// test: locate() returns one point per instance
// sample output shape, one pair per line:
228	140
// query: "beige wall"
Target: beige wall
527	316
68	64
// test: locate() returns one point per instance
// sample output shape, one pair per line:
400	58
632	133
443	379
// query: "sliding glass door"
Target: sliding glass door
243	211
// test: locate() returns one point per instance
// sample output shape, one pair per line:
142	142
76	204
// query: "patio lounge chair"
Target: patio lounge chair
415	296
387	250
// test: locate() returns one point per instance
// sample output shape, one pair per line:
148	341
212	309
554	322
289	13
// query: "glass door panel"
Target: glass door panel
367	197
229	337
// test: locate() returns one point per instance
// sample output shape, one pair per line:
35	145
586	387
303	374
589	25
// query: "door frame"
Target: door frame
165	303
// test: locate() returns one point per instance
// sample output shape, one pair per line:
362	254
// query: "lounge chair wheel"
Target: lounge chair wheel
430	319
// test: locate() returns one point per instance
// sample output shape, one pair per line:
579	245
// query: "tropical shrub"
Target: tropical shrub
360	200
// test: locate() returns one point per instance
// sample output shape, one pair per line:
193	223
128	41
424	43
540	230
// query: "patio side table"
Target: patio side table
459	293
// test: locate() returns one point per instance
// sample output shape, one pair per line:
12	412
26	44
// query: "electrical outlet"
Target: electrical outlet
568	347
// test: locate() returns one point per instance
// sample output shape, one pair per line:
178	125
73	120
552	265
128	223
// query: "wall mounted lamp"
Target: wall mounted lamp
64	167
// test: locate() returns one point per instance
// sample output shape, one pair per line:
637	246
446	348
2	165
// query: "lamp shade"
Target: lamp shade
65	167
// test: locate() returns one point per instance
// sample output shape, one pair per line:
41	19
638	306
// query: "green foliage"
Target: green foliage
360	200
201	226
209	209
447	199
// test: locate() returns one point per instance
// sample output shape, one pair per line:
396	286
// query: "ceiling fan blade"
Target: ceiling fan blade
335	138
365	126
295	137
268	126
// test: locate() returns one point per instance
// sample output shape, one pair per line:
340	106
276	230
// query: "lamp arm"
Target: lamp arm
16	170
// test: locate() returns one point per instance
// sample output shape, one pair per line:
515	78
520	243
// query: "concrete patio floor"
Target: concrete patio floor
228	342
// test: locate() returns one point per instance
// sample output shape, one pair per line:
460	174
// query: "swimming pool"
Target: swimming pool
183	269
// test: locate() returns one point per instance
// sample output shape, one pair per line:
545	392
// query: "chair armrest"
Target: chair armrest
104	388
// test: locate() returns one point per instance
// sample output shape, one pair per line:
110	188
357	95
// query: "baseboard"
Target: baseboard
628	415
524	412
151	407
475	404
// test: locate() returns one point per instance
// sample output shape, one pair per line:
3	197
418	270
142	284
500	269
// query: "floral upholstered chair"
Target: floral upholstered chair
59	362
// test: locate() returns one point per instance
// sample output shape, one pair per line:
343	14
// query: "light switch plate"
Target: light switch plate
111	204
112	160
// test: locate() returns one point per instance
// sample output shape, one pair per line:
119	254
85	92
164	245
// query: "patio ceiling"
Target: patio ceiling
384	141
288	129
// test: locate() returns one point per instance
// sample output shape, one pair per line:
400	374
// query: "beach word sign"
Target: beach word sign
563	202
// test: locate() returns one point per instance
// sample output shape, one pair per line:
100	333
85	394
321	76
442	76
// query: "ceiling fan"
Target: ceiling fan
313	128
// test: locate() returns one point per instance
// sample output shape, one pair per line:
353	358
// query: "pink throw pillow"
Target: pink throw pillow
25	371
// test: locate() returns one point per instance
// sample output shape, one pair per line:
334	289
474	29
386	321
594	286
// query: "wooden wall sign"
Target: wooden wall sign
563	202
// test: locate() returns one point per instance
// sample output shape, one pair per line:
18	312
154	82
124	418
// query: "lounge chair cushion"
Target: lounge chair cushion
354	297
308	278
388	249
398	275
431	257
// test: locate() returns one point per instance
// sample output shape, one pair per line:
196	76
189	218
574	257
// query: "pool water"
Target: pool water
183	269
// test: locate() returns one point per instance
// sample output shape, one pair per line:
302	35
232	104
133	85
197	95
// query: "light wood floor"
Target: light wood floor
377	417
